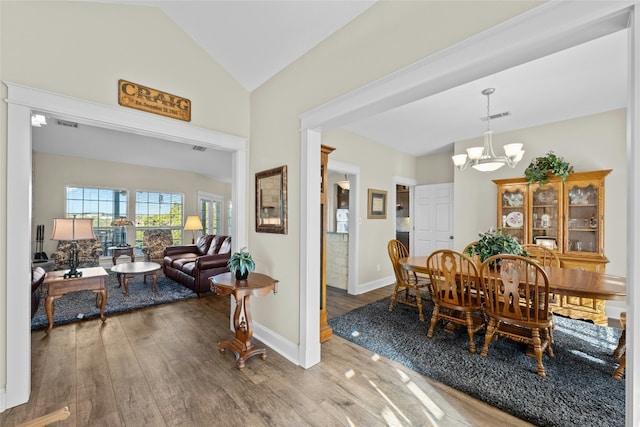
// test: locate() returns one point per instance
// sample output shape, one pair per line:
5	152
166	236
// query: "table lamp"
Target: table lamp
122	222
193	223
73	229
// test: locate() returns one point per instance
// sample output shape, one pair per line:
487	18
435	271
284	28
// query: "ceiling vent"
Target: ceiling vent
66	124
199	148
496	116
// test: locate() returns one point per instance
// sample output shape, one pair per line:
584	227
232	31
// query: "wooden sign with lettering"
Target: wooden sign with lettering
144	98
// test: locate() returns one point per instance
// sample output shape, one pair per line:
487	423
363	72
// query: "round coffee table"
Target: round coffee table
127	270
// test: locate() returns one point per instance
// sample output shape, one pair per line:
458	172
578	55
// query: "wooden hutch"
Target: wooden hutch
567	216
325	330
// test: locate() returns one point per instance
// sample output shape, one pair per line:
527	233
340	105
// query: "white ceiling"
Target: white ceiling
254	40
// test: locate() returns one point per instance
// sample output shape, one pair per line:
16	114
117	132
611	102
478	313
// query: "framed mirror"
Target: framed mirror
271	201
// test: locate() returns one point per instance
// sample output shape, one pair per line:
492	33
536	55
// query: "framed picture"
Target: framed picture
271	201
377	204
547	242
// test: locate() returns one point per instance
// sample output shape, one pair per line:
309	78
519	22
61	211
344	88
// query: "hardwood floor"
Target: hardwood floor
161	367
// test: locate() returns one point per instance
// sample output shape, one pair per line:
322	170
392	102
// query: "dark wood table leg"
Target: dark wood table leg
241	345
125	281
48	306
154	276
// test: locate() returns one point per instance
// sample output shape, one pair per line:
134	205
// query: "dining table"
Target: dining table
562	281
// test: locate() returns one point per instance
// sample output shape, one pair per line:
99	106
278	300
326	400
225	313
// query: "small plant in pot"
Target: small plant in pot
241	264
494	242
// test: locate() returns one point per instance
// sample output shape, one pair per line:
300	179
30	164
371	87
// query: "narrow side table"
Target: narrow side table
256	284
117	251
92	279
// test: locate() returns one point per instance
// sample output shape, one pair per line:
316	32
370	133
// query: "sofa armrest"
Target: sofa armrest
180	249
207	262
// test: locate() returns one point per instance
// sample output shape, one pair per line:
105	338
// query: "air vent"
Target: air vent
496	116
67	124
199	148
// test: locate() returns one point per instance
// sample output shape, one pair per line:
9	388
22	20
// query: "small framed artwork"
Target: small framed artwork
547	242
377	204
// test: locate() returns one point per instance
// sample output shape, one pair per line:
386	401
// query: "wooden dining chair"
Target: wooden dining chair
516	302
466	248
456	292
545	256
406	280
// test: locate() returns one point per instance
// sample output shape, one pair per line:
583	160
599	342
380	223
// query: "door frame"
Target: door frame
354	228
22	101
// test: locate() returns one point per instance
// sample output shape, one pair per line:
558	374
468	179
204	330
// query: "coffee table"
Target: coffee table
129	269
92	279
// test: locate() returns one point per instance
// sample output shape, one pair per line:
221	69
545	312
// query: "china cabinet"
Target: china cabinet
566	216
325	330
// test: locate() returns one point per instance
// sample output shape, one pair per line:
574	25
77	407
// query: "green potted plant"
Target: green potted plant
241	264
494	242
540	168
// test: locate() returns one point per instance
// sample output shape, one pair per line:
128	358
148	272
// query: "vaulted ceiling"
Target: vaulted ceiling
254	40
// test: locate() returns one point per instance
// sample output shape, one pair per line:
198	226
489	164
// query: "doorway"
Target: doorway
403	215
22	101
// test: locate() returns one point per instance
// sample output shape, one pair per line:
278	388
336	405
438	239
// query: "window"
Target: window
211	213
103	205
159	210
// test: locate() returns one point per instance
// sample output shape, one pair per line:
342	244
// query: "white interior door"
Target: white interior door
432	218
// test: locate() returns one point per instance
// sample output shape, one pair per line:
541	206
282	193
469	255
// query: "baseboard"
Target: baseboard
276	342
376	284
3	399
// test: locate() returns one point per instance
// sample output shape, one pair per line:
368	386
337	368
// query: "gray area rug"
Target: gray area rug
69	306
578	389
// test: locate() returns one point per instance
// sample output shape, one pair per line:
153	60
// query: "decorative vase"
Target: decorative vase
242	276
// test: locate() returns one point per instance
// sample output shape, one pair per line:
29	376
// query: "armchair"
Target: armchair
153	243
89	252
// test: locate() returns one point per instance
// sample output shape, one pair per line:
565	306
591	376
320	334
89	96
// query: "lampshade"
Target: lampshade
121	222
193	223
72	229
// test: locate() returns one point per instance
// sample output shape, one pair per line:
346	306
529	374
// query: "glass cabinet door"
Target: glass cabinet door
512	210
546	214
583	221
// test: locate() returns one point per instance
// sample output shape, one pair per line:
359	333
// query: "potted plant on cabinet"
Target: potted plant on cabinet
241	264
540	168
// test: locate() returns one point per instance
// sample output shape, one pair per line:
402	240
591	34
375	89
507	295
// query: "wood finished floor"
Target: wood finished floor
161	367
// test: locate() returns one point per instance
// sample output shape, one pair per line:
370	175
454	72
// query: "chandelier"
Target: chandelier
484	159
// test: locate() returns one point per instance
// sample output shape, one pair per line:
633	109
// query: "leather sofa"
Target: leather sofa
37	278
192	265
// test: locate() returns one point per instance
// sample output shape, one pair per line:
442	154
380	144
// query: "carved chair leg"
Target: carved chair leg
419	303
470	332
434	320
491	329
394	297
619	372
537	348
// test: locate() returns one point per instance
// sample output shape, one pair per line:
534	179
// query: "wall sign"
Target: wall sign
144	98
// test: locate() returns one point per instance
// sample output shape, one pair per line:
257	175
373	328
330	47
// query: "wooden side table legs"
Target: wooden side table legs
241	345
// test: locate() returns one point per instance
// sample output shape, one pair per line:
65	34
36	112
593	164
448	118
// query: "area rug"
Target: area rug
578	389
78	306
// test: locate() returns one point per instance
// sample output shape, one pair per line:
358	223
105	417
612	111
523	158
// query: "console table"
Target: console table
92	279
256	284
117	251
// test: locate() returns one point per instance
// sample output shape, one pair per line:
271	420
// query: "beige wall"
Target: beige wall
81	49
386	37
52	173
588	143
